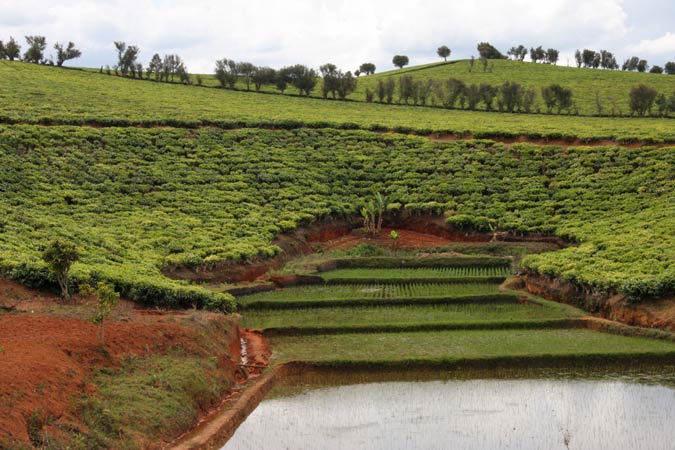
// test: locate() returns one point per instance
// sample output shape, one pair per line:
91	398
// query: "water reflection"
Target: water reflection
547	410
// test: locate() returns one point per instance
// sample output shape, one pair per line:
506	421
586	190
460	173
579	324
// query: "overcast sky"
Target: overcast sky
345	32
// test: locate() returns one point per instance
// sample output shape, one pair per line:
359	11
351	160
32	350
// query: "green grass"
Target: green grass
453	345
139	201
148	399
435	274
583	82
401	315
369	291
32	93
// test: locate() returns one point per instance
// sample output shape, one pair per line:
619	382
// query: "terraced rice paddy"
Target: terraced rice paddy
447	274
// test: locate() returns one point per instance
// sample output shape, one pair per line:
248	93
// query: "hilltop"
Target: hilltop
39	94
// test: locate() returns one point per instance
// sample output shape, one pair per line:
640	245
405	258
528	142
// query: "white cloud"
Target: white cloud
346	32
659	46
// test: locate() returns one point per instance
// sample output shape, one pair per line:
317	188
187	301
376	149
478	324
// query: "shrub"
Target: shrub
642	99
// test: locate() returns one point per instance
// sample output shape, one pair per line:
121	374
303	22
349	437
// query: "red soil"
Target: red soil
407	240
46	361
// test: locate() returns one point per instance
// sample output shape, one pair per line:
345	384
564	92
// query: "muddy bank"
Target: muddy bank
653	314
416	232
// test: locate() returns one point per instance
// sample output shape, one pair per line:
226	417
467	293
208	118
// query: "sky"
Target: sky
344	32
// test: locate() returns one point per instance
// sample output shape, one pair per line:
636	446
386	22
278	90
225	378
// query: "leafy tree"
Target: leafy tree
631	64
3	53
246	71
36	49
302	78
537	54
155	67
549	98
60	256
282	79
406	87
389	88
487	95
424	90
552	56
669	68
226	72
472	93
66	54
330	75
126	57
346	85
518	53
454	91
642	65
12	49
488	51
511	96
106	300
262	76
563	97
588	56
656	69
443	51
400	61
367	68
578	58
607	60
381	90
642	99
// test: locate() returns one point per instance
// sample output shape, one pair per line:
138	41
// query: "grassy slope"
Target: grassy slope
136	200
401	315
36	93
450	345
583	82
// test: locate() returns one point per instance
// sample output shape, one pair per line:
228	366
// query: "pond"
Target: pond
536	409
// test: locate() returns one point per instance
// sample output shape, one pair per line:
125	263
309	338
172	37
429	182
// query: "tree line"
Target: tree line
35	51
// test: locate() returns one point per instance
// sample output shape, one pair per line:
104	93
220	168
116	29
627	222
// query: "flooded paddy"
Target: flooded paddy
576	408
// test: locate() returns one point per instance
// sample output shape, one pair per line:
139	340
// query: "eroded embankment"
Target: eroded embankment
649	313
54	370
416	232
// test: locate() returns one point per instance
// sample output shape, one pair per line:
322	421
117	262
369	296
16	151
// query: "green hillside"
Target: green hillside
609	84
137	200
32	93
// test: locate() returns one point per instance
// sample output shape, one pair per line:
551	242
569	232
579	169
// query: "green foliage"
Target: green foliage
642	99
106	300
142	201
400	61
79	97
60	256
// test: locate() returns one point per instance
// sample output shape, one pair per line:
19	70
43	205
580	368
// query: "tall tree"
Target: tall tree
36	49
443	51
518	53
66	54
262	76
12	49
246	71
642	65
631	64
226	72
578	58
302	78
642	99
3	53
537	54
587	56
155	67
400	61
330	75
126	57
669	68
552	56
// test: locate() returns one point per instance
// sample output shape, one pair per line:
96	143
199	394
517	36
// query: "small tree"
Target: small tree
106	300
537	54
642	99
36	49
60	256
12	49
443	51
66	54
518	53
155	67
246	70
578	58
552	56
389	88
642	65
262	76
488	51
656	69
394	238
226	73
669	68
400	61
367	68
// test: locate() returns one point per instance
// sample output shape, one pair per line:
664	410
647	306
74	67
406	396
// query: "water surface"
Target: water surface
535	410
